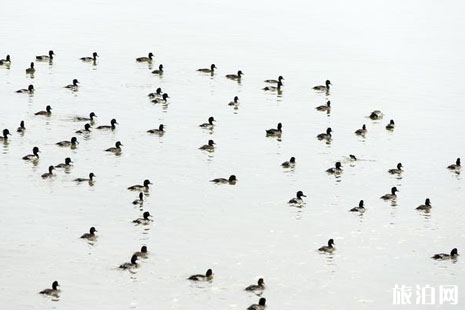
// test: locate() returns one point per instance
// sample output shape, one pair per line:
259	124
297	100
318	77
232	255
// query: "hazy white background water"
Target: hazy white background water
405	58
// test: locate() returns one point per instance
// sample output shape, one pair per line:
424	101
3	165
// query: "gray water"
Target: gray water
405	58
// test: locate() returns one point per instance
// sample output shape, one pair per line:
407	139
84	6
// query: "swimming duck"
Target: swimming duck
362	131
280	79
442	256
159	71
144	220
260	306
88	59
210	124
144	187
323	87
48	57
275	132
111	126
298	199
29	90
324	108
206	70
54	291
31	69
235	101
352	157
140	200
71	143
159	131
426	206
328	248
163	99
455	166
73	86
90	235
200	277
47	112
392	195
142	253
336	169
235	76
21	127
208	147
391	125
397	170
66	164
130	265
327	135
90	179
34	155
157	94
289	164
48	174
85	130
145	59
116	148
6	61
360	207
231	180
274	88
86	119
256	287
376	114
6	132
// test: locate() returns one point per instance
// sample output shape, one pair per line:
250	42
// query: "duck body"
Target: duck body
289	164
443	256
208	70
48	57
159	131
108	127
362	131
86	119
208	147
397	170
455	166
5	134
29	90
236	77
90	59
163	99
47	112
140	200
34	155
336	169
202	277
425	207
298	199
48	174
326	135
323	87
54	291
66	164
208	125
392	195
391	125
231	180
146	59
275	132
116	148
6	61
31	69
324	108
360	208
90	235
328	248
280	79
90	179
74	85
144	187
260	306
130	265
144	220
260	286
274	88
72	142
21	127
159	71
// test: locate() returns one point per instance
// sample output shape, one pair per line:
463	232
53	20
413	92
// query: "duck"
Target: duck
48	174
29	90
47	112
235	76
208	70
145	59
159	71
426	206
140	200
116	148
54	291
90	235
130	265
336	169
5	135
86	119
157	94
376	114
93	58
142	253
34	155
90	179
323	87
327	135
208	276
362	131
260	306
85	130
141	187
360	207
159	131
324	108
443	256
280	79
256	287
48	57
31	69
328	248
275	132
289	163
208	147
392	195
21	127
163	99
111	126
74	85
210	124
144	220
235	101
391	125
231	180
273	88
397	170
66	164
352	157
6	61
298	199
66	143
455	166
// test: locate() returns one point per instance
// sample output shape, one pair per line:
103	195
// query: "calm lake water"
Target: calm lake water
405	58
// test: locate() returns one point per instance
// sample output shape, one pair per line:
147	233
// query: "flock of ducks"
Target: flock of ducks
160	97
